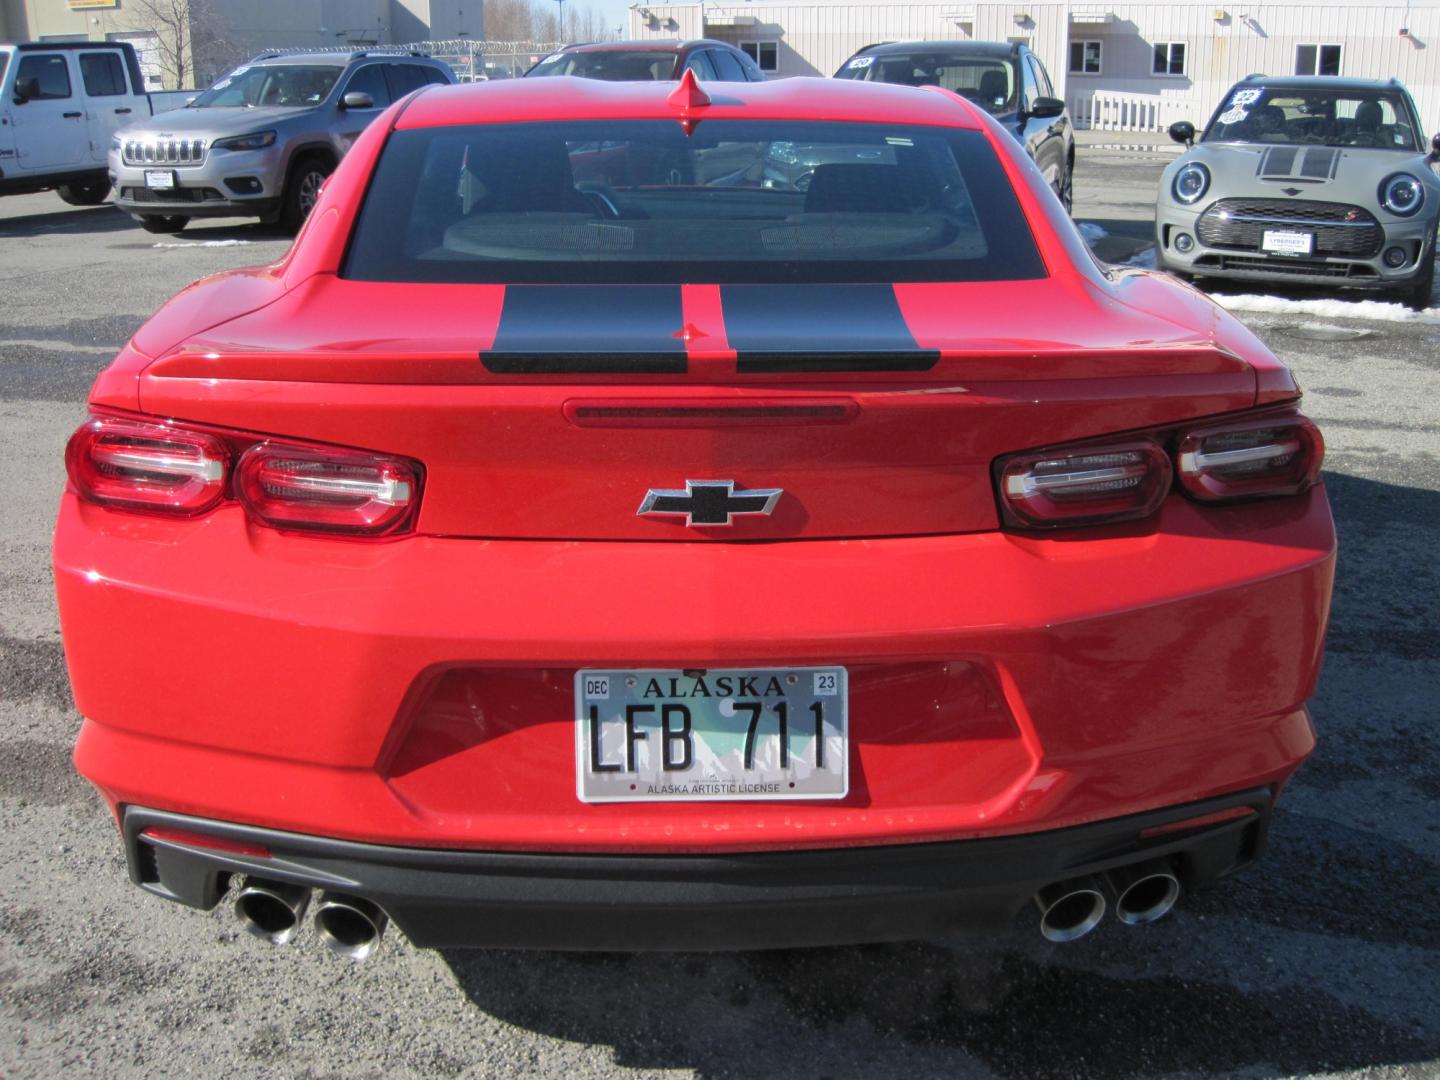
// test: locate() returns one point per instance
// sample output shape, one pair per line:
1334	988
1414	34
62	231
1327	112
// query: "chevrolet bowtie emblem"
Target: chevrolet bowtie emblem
708	502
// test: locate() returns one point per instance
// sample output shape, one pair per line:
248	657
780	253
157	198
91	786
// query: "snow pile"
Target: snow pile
1376	310
1144	260
1090	231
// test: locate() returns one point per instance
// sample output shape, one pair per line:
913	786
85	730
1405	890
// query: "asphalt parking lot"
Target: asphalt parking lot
1323	959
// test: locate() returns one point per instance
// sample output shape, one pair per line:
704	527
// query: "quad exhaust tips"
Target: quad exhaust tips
271	910
348	925
1144	892
1070	909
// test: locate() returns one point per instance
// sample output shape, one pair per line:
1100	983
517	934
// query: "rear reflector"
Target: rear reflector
1219	817
310	487
1084	485
147	466
1274	455
168	835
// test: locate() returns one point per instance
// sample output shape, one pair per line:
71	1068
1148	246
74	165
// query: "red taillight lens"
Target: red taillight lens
1084	485
310	487
145	466
1274	455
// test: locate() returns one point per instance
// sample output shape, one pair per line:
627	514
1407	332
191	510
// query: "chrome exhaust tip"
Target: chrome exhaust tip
1144	892
1070	909
271	910
349	926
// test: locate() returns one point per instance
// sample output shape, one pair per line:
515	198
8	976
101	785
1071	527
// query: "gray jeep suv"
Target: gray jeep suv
261	140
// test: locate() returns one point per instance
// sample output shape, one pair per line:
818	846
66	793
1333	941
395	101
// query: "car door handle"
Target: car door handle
121	111
72	115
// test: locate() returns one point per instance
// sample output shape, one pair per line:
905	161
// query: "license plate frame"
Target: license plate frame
1288	242
160	179
717	736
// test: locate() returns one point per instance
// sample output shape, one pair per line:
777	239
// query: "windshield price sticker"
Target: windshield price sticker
715	735
860	62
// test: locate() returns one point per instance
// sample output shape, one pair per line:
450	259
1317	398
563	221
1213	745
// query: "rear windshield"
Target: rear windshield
622	65
735	201
987	81
1364	118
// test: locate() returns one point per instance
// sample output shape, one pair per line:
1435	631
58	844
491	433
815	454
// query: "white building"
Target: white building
1128	66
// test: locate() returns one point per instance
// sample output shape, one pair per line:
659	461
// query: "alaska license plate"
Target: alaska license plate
1282	242
159	178
721	734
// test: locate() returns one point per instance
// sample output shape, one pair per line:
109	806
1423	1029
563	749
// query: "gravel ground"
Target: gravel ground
1321	960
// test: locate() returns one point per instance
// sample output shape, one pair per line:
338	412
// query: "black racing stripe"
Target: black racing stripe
1278	161
588	329
786	328
1317	163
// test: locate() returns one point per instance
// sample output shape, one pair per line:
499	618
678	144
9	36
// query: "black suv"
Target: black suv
1006	80
651	61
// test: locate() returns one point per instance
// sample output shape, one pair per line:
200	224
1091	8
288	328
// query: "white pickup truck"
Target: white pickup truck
61	103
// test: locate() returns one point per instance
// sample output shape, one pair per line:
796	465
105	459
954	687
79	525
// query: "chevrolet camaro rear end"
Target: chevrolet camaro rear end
582	539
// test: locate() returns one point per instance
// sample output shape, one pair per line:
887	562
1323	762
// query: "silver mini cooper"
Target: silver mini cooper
1322	181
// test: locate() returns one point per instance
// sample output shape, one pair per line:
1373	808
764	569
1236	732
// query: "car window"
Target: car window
1361	118
435	77
1028	90
733	201
1042	77
370	79
987	81
42	78
103	74
727	68
620	65
699	63
293	86
403	78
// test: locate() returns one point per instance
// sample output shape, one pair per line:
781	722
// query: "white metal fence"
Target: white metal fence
1113	110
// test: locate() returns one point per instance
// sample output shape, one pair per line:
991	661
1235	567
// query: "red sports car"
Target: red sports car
642	517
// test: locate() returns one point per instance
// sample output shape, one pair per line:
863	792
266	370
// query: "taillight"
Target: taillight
1275	455
1084	485
310	487
147	466
1272	453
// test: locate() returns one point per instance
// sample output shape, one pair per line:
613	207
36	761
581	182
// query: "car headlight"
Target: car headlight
254	141
1191	182
1402	194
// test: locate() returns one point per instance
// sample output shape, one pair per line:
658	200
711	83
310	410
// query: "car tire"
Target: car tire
302	189
1418	293
1066	188
163	223
91	194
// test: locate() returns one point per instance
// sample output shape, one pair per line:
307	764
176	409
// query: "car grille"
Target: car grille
1293	267
170	195
1339	228
164	151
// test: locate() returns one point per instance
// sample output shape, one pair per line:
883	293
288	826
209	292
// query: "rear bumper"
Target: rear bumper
419	693
697	903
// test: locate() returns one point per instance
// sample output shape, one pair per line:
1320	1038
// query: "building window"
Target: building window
1169	58
1317	59
766	54
1084	58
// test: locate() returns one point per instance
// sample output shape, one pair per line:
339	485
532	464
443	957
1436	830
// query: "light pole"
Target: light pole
562	20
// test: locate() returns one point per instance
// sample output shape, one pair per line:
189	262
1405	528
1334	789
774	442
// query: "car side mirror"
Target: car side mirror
1183	131
357	99
1435	147
1046	107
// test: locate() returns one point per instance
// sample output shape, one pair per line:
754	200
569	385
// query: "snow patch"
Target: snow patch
205	243
1375	310
1091	232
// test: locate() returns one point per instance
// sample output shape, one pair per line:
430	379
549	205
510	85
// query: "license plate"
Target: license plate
1288	243
159	178
718	735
